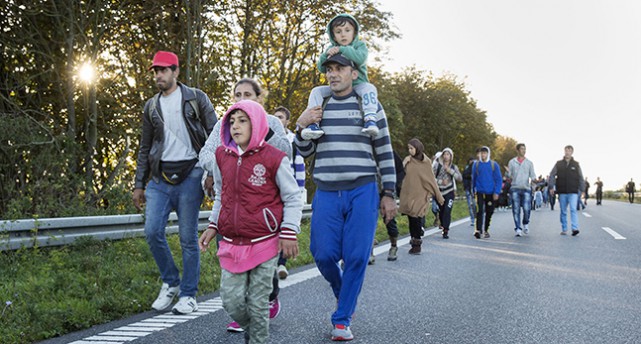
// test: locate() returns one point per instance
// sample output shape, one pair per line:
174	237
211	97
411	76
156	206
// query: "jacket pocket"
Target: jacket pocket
270	220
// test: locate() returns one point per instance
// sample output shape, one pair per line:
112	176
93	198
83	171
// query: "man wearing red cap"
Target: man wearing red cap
175	125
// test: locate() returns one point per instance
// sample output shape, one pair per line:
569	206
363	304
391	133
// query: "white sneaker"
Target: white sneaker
282	272
165	297
519	233
185	305
526	230
310	134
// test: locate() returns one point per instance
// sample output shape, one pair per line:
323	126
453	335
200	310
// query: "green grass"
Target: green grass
48	292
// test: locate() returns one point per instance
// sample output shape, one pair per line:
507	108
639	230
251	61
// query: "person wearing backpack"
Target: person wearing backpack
348	165
175	125
487	182
447	174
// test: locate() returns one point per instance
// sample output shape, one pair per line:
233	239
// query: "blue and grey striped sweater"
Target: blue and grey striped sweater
346	158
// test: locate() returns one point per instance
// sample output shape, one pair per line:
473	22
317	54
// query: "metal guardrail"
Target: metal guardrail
66	230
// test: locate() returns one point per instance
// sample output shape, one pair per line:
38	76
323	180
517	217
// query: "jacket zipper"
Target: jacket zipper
236	193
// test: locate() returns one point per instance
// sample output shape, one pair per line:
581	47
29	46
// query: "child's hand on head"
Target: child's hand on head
333	51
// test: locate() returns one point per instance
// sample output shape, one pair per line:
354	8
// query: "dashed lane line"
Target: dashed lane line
616	235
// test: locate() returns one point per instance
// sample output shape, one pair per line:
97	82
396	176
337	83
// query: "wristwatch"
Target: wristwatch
388	193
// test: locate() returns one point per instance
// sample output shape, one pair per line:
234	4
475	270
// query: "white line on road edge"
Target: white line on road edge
586	214
616	235
148	326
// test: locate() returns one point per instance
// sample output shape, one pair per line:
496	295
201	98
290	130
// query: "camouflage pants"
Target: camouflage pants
246	298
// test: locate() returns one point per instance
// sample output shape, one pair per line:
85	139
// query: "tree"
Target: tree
504	150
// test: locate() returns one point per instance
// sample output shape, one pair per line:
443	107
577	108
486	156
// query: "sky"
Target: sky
548	73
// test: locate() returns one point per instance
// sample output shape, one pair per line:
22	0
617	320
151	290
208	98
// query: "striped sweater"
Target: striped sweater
298	163
345	157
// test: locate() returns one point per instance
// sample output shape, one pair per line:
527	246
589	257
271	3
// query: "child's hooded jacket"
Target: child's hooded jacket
257	198
355	51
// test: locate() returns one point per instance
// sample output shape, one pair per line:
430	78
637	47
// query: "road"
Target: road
542	288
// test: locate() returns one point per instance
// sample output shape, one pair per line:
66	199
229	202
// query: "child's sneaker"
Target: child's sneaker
274	308
312	132
341	333
234	327
282	272
526	230
369	125
165	297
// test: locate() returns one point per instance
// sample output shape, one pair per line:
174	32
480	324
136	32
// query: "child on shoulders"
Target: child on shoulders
343	34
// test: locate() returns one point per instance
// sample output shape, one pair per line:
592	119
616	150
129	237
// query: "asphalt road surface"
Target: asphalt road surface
541	288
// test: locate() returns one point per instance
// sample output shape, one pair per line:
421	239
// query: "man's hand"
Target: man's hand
309	116
209	186
388	208
495	197
288	247
552	192
205	239
139	198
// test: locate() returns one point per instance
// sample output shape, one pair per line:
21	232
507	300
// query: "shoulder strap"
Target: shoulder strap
194	104
152	107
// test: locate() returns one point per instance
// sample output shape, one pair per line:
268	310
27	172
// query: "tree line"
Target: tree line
68	147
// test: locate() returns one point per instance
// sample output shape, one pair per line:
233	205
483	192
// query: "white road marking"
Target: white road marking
616	235
586	214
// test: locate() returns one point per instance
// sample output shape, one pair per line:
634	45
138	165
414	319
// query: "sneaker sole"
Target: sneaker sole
235	330
177	312
341	339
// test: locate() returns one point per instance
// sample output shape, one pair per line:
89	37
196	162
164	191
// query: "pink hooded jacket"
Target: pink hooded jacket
250	209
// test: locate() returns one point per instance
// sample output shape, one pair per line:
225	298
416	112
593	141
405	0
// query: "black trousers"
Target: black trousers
445	211
416	228
599	197
485	204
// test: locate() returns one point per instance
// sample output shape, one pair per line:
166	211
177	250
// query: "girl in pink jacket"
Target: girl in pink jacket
257	210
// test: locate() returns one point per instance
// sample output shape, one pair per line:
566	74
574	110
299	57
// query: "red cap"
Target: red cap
164	59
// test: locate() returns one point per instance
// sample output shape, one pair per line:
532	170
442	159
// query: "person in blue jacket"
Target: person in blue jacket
486	181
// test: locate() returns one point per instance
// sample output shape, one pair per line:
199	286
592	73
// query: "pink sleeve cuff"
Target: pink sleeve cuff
287	234
212	226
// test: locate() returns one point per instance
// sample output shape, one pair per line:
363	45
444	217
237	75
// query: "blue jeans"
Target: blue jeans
342	227
186	198
570	200
469	196
521	198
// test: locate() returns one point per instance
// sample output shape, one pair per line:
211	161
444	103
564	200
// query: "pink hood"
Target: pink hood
258	118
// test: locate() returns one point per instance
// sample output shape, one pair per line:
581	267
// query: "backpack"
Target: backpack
476	165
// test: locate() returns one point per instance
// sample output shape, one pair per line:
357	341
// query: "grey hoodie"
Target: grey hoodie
521	173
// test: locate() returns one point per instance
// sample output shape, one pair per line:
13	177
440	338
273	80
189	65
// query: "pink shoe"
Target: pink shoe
234	327
274	308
